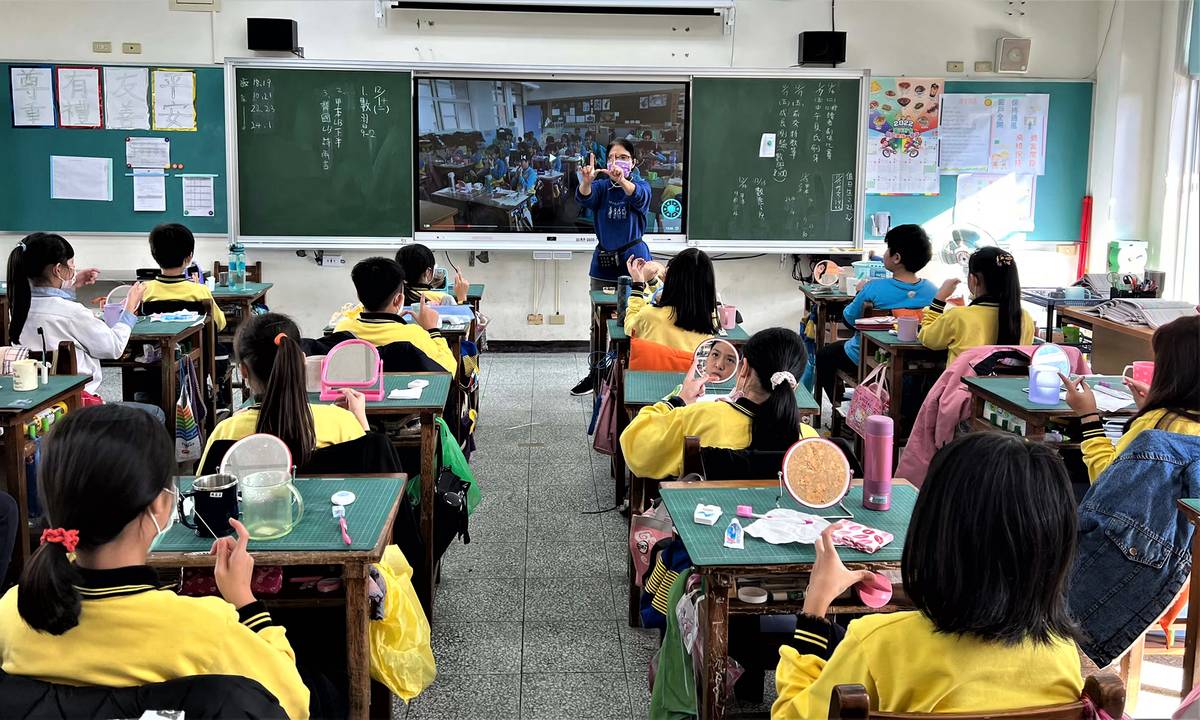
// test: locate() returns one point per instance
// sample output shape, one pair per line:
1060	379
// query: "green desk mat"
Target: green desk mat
821	292
616	331
1014	391
599	297
146	327
251	289
646	387
1193	503
705	543
433	395
475	291
317	530
888	340
12	400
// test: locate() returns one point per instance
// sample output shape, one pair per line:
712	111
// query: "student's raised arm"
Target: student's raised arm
653	442
937	330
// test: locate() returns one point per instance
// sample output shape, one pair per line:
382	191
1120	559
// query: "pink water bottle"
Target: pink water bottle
877	463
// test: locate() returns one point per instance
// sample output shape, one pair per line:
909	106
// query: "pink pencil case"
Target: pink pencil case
860	537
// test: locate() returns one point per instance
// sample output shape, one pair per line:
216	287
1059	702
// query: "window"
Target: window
447	102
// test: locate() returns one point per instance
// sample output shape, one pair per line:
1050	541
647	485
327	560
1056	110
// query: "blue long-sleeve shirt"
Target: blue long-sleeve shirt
499	169
885	294
620	220
526	181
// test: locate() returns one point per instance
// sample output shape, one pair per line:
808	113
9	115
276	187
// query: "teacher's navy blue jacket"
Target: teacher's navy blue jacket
620	222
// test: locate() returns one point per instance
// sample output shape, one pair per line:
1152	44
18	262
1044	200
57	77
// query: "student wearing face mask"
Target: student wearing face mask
100	618
41	291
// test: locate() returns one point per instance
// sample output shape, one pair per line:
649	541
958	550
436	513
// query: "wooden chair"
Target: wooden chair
62	359
253	272
1105	690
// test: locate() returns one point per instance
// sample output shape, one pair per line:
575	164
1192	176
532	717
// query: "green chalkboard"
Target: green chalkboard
806	192
25	203
324	152
1059	194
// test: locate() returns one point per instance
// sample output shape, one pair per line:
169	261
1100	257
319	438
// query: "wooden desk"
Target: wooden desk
316	540
170	337
436	215
1191	510
16	410
828	303
722	568
1010	394
429	406
1042	298
238	303
604	306
907	359
1113	345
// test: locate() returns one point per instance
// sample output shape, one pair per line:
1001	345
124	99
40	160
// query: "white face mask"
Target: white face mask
170	517
69	281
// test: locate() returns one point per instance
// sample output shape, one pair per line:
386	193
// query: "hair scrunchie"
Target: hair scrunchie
783	377
21	245
280	338
69	539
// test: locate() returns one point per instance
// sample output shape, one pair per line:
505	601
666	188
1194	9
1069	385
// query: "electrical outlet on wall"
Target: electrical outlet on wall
535	318
558	319
983	66
131	48
100	46
955	66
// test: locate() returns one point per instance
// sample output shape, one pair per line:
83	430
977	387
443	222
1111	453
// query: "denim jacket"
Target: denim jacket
1134	550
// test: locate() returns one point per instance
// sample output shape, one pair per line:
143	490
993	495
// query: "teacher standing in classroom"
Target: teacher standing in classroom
619	204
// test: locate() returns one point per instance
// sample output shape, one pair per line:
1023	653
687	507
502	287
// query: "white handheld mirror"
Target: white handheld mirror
716	359
257	453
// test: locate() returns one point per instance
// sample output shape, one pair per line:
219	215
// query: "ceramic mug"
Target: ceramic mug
906	329
25	375
1143	371
728	317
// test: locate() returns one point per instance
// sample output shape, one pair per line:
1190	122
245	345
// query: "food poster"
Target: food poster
904	114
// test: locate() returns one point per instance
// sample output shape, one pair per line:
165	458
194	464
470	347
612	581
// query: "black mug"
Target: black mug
215	500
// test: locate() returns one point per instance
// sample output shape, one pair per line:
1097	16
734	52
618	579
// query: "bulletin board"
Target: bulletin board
1059	192
25	202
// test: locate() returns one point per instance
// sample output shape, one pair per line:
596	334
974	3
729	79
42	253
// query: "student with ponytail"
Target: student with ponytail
761	414
100	618
267	349
41	292
994	316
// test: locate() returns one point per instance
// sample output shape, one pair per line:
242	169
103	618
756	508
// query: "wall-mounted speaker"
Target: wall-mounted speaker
275	34
821	47
1012	55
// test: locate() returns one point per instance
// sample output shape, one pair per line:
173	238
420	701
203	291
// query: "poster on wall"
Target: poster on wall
995	134
904	114
1003	204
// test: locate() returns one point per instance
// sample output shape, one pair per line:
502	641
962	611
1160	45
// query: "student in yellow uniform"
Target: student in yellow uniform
686	312
1171	402
418	263
381	290
267	349
994	316
172	246
761	414
107	483
989	546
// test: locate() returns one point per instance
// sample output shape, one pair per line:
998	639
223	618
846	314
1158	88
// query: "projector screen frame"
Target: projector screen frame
469	240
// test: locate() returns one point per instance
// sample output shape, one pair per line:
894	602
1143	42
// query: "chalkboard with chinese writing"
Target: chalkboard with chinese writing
775	159
323	152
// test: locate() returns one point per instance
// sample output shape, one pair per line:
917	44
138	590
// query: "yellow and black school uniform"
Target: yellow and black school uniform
1099	452
179	287
131	633
961	328
413	293
331	425
653	442
382	329
657	324
908	667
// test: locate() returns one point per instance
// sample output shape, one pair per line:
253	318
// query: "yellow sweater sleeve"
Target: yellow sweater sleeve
805	683
937	329
258	649
439	351
653	442
638	300
217	313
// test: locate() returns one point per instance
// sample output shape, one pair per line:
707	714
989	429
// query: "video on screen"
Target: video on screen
505	155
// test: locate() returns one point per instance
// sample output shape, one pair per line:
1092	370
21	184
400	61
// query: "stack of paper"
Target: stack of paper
1142	311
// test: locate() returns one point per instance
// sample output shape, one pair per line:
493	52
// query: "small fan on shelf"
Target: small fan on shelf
964	240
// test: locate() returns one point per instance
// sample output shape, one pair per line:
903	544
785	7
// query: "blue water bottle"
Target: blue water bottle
237	266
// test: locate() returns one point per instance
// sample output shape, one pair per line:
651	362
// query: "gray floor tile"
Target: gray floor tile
568	497
565	559
542	474
638	645
563	527
481	559
575	598
473	648
618	559
620	591
615	527
469	697
479	600
639	695
499	523
554	696
557	646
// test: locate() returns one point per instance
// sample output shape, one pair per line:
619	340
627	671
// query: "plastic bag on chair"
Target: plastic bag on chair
401	656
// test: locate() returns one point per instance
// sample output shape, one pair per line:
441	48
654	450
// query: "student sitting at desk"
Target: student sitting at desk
496	165
418	262
101	618
380	285
525	179
593	147
267	349
172	246
762	413
686	312
994	317
908	250
1171	402
986	559
41	292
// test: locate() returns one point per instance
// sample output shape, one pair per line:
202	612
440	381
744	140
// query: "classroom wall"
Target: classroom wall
1066	37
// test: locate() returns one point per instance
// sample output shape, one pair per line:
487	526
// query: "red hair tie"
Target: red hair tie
69	539
280	338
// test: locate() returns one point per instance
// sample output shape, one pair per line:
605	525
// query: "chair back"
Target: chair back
869	310
62	360
253	271
1105	691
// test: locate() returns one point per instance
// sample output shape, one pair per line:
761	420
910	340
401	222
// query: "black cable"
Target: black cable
833	15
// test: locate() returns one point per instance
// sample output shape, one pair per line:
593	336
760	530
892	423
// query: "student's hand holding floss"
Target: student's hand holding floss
461	286
1079	395
1139	390
234	566
133	301
947	289
693	386
356	403
830	577
426	316
86	277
